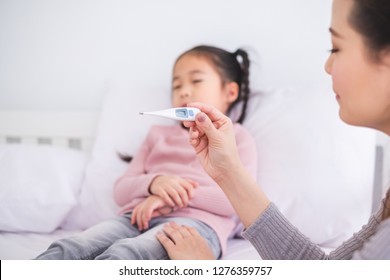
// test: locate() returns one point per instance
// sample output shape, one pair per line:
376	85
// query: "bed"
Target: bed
57	168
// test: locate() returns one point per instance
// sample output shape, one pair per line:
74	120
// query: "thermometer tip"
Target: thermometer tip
141	113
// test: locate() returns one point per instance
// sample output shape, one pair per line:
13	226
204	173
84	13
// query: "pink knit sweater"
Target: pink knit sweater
166	151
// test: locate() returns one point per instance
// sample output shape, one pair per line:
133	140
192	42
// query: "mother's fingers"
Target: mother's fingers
165	241
213	113
205	125
176	232
216	117
195	134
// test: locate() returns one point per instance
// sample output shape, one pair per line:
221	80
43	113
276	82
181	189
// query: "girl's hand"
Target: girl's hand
213	138
184	243
174	190
151	207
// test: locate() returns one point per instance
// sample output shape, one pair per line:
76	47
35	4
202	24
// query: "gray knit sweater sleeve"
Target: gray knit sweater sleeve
274	237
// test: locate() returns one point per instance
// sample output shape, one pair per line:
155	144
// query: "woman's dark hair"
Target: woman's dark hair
232	67
371	18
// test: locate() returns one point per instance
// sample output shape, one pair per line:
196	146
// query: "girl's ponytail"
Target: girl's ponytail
244	85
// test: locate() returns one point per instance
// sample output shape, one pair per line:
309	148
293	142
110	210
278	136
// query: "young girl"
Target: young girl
164	181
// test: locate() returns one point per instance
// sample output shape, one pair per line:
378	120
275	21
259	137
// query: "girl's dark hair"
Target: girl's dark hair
125	157
232	67
371	18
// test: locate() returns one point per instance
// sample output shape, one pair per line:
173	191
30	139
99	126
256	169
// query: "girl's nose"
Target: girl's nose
184	93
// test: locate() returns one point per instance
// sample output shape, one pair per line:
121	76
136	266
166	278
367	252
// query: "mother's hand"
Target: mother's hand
184	243
213	138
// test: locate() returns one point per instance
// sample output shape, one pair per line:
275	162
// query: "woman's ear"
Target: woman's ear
232	90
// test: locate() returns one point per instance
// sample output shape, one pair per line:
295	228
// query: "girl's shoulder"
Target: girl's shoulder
239	128
242	133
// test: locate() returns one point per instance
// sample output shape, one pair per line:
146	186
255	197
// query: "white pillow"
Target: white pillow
38	186
317	169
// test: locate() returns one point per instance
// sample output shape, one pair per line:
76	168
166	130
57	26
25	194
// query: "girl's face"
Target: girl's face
362	86
196	80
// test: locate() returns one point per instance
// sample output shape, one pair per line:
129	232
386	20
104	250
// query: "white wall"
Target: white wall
64	55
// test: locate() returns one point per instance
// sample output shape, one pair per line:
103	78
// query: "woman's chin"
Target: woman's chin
349	120
355	121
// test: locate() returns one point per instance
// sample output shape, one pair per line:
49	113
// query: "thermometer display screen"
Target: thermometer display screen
181	113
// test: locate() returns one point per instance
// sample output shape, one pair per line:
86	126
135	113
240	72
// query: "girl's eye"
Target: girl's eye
333	50
176	87
197	81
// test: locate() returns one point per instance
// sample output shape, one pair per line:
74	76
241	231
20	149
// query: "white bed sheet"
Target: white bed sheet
24	246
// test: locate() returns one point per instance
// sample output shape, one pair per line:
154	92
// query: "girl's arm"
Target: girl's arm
135	182
138	183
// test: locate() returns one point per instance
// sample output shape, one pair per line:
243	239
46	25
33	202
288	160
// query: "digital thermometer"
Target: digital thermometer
180	114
